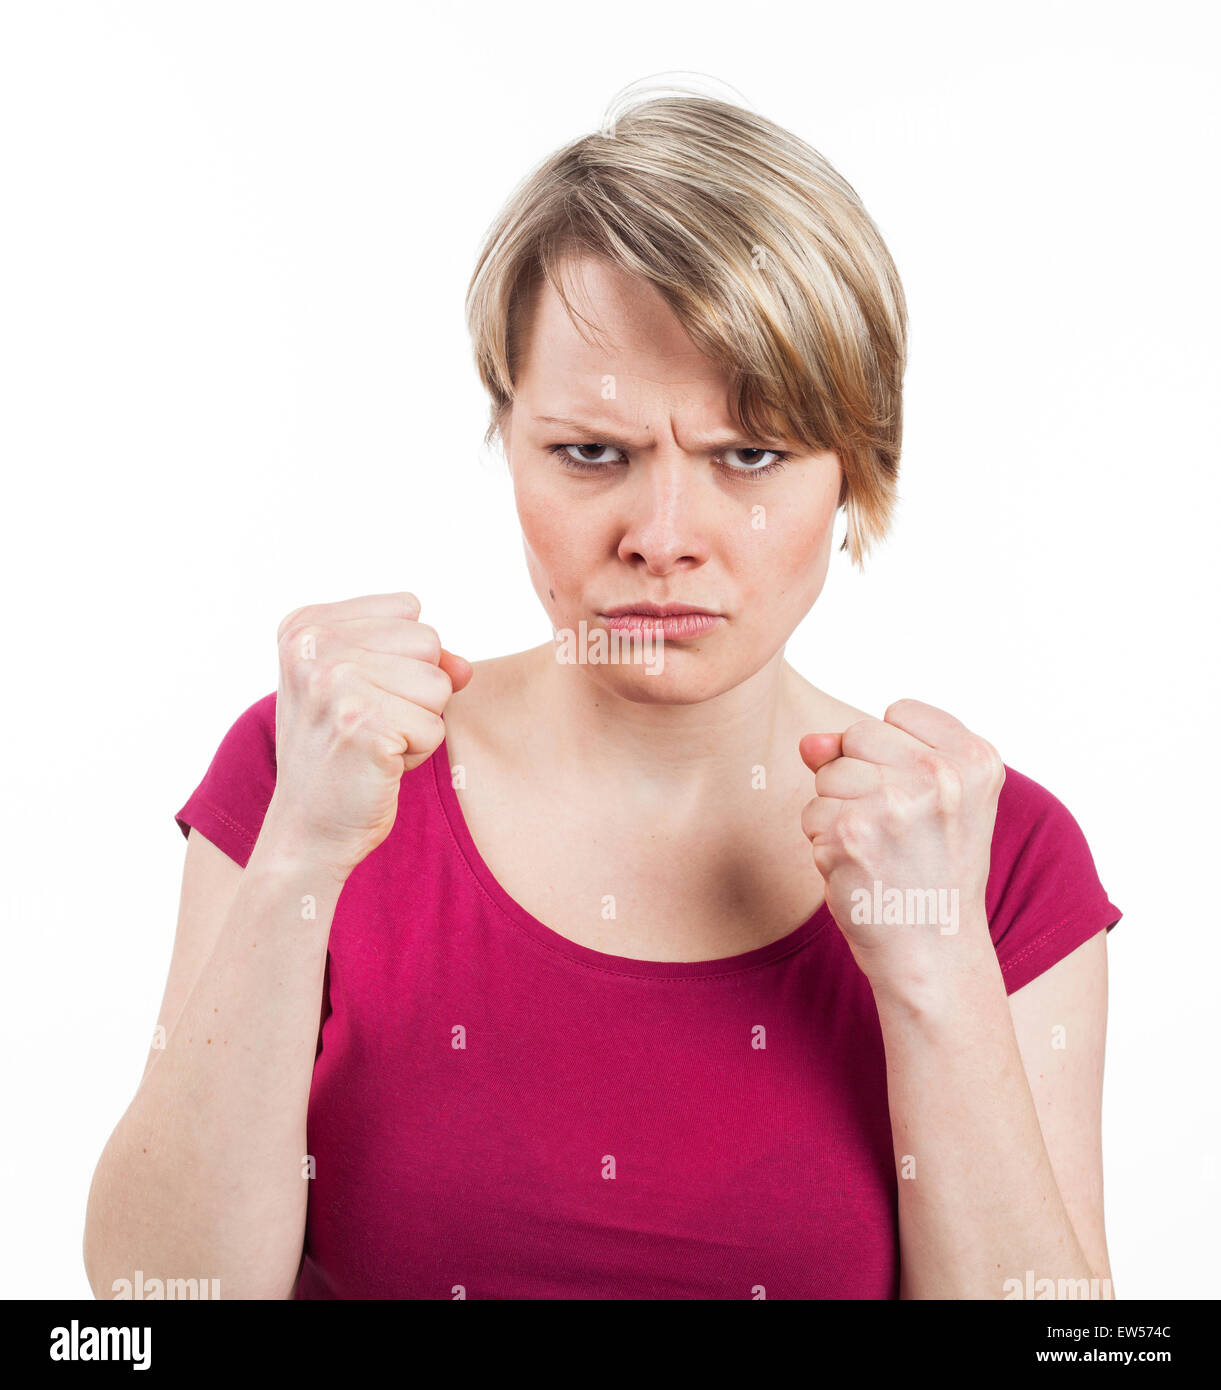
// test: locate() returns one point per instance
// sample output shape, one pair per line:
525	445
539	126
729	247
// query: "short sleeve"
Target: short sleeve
1044	896
228	806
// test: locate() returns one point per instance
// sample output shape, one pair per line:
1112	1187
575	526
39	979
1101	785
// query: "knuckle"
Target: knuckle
432	732
927	765
853	739
289	621
895	801
943	779
426	684
343	671
854	831
809	824
300	641
430	642
323	678
983	758
350	715
317	681
330	678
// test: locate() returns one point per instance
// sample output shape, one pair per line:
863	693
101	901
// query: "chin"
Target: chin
682	680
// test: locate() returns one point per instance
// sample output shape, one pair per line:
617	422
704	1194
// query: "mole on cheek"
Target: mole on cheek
551	592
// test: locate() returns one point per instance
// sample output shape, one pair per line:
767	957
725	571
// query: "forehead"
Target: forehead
626	331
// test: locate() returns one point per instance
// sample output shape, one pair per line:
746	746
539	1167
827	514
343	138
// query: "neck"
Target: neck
667	754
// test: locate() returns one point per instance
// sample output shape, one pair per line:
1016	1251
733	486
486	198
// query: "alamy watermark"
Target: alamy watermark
906	907
77	1343
600	646
1034	1287
169	1289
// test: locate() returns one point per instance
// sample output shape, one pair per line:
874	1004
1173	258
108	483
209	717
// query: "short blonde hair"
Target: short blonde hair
764	253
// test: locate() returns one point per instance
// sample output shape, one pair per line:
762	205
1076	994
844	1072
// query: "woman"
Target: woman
644	970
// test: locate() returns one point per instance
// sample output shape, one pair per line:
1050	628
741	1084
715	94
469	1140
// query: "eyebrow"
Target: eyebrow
609	434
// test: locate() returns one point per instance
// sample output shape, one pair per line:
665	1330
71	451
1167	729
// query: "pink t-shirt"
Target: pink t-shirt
498	1112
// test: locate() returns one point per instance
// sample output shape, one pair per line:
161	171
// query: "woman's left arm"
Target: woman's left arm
995	1103
995	1109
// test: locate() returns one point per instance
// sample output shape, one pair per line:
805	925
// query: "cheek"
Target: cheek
785	553
557	550
547	539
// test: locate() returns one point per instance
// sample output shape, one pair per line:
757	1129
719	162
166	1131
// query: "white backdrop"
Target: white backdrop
234	378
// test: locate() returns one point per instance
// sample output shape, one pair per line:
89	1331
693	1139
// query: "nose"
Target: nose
666	517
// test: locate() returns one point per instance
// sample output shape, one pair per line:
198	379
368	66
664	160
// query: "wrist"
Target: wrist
284	851
934	981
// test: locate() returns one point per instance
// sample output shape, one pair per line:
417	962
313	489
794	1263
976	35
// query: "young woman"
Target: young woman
664	977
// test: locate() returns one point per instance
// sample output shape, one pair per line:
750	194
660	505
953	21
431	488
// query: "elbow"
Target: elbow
105	1234
144	1237
95	1241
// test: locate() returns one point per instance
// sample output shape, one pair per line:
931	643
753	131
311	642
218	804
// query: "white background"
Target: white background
235	379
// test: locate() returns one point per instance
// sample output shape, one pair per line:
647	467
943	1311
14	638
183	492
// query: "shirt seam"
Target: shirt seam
222	816
1032	946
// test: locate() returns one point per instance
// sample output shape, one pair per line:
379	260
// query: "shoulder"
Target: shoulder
1029	816
257	724
231	800
1045	896
249	745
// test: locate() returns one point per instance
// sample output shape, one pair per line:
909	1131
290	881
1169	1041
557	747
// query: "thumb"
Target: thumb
817	749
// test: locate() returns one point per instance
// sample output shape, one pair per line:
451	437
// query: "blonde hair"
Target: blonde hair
764	253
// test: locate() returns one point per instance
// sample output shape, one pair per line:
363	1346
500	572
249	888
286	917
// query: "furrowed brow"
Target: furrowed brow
609	434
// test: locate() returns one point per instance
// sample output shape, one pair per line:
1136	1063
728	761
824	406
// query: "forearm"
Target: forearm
203	1176
978	1201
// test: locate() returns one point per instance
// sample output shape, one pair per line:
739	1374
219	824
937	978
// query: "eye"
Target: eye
755	460
585	458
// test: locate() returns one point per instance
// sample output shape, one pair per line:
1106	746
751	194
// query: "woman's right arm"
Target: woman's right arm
205	1175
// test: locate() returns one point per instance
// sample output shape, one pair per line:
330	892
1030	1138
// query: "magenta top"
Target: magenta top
498	1112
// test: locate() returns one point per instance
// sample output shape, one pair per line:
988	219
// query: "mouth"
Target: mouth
671	621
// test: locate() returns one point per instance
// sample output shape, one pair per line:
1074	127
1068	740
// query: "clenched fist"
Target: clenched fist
901	829
362	689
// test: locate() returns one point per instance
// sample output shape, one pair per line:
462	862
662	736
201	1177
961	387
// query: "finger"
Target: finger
818	817
399	605
846	778
816	749
410	729
875	741
927	723
394	636
422	732
405	677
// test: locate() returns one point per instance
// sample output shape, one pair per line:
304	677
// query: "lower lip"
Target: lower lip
672	629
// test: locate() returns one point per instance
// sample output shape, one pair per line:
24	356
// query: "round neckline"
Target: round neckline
585	955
